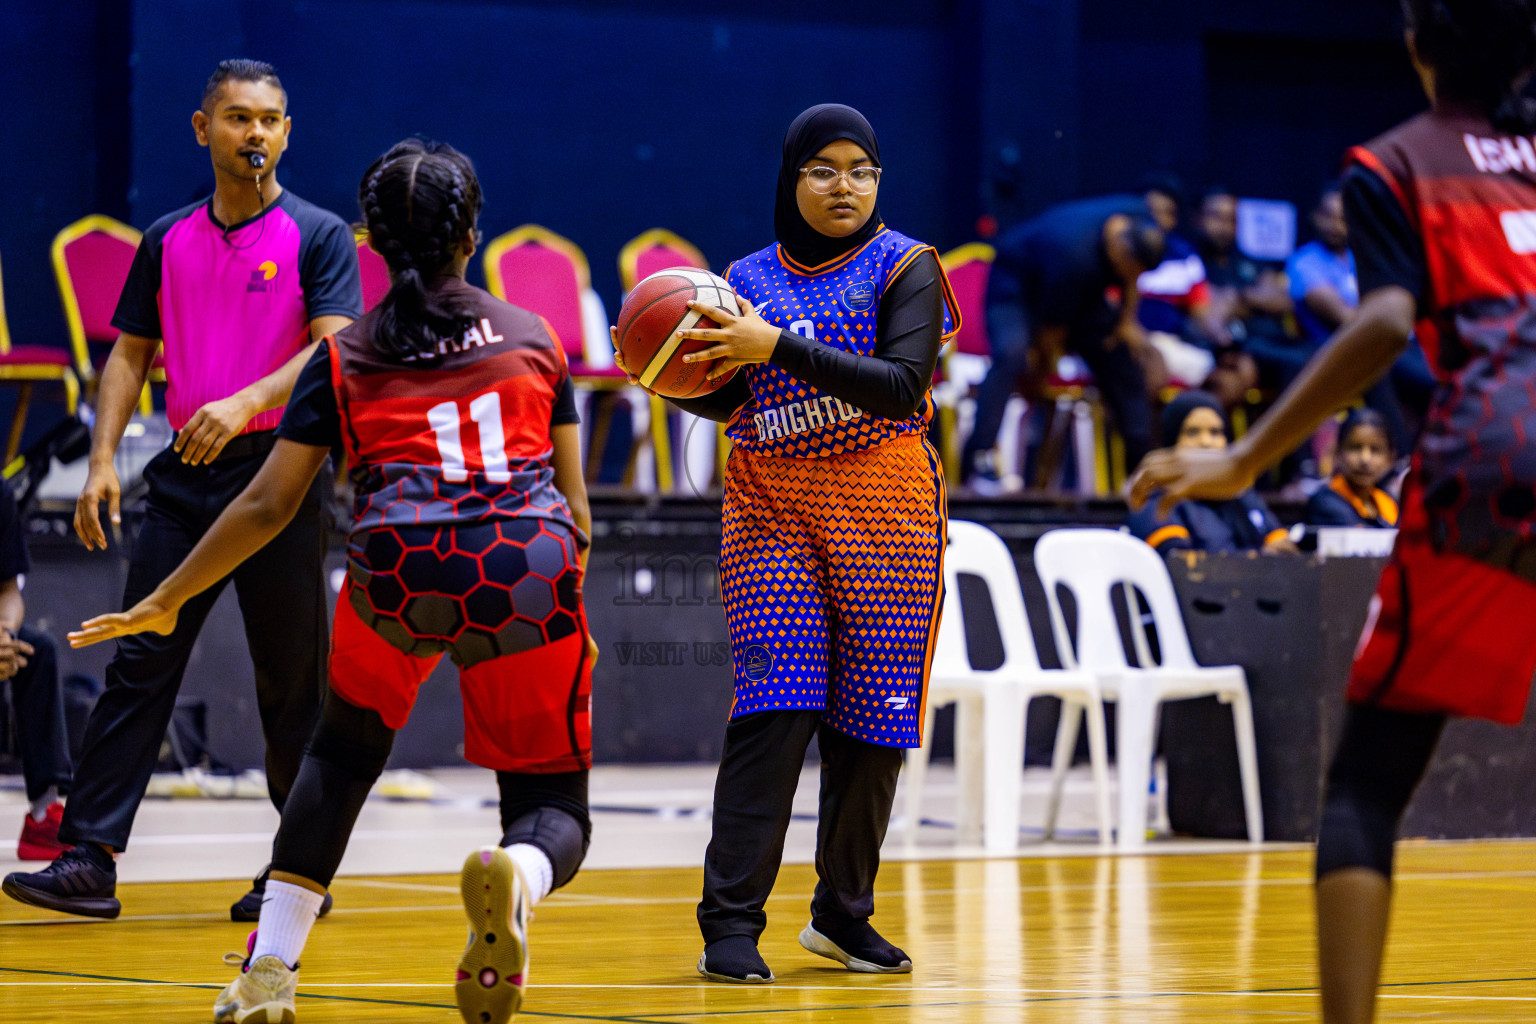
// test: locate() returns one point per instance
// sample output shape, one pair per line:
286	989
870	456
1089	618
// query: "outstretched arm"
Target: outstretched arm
1357	356
261	511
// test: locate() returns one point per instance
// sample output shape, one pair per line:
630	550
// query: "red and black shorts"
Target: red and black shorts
503	600
1447	634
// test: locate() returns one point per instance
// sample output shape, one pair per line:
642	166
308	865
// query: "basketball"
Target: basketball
652	315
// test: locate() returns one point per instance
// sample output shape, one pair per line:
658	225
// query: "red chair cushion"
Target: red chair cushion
98	265
36	355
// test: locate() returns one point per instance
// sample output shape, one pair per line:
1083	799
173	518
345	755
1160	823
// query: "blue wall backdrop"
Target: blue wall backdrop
601	118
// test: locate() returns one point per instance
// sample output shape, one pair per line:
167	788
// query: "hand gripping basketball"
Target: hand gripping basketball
650	340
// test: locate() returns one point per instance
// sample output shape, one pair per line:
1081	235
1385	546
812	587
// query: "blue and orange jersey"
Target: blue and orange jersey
464	439
835	304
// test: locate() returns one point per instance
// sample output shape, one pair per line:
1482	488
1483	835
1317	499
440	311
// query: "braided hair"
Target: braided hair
1482	51
419	200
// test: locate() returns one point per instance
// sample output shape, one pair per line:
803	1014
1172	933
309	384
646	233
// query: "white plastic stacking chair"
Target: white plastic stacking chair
1090	563
990	705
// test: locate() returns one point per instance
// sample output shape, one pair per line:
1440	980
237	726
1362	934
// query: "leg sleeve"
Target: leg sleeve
550	812
1381	758
350	748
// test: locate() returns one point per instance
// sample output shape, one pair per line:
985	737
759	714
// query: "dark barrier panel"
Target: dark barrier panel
662	687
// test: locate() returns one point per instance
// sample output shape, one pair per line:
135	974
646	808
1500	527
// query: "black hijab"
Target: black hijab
808	134
1178	410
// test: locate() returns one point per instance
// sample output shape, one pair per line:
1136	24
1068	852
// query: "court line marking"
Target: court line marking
595	900
108	980
314	995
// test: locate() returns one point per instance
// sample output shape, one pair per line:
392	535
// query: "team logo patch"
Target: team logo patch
261	277
757	662
859	296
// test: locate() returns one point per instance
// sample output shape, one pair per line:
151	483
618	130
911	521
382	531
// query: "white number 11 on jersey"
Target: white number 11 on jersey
486	412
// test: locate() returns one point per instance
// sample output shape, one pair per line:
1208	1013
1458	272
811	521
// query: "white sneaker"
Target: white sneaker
494	967
261	994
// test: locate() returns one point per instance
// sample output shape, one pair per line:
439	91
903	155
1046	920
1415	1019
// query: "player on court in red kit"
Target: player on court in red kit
1442	221
470	539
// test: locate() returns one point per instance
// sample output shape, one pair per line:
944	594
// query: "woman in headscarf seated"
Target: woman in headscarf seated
1195	420
1352	497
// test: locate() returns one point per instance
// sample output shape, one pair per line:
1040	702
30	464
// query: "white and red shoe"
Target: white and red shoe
40	839
494	967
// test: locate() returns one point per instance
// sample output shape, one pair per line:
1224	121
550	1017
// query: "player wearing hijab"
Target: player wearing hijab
456	412
834	527
1439	211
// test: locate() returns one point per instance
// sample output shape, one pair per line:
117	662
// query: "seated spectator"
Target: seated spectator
28	662
1177	311
1049	293
1248	299
1327	293
1194	420
1353	497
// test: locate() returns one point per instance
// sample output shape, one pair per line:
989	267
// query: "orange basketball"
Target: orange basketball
650	319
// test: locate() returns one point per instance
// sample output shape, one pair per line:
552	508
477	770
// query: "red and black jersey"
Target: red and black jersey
463	438
1468	194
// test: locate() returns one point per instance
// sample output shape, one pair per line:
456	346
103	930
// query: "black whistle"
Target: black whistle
257	160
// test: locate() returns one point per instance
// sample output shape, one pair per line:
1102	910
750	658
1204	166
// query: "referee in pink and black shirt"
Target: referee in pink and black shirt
238	288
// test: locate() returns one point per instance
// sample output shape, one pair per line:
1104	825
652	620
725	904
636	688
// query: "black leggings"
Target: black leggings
348	751
1381	758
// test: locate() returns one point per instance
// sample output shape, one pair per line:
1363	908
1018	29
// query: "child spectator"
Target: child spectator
1365	457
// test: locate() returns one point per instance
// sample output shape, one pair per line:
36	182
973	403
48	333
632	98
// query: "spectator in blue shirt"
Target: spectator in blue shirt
1323	284
1322	272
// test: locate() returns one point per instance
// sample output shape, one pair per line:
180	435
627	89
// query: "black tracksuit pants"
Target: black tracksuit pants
759	769
282	601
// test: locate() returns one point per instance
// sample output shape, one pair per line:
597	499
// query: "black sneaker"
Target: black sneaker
81	881
248	907
857	947
734	959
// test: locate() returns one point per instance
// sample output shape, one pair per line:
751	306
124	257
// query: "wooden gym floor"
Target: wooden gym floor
1197	937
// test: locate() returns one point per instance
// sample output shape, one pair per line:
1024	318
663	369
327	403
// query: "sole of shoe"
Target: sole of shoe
751	979
817	943
266	1013
104	907
491	973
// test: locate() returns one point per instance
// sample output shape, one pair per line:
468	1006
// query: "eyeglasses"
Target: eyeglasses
824	179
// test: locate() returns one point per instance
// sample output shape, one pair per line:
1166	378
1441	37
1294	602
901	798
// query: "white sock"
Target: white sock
287	913
41	804
537	871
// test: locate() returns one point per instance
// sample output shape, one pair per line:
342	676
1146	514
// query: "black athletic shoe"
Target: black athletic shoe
734	959
248	907
81	881
857	947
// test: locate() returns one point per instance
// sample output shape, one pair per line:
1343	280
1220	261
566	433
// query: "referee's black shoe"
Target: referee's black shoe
857	947
248	907
734	959
80	881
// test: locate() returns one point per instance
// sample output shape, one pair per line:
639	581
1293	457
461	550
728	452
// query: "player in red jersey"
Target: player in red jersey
471	531
1442	220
